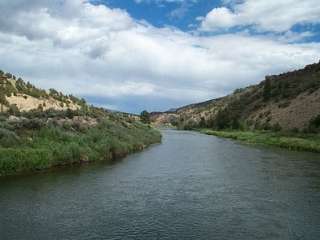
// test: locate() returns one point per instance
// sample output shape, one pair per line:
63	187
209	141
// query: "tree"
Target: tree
3	99
222	120
202	122
69	113
53	92
8	75
267	89
314	124
145	117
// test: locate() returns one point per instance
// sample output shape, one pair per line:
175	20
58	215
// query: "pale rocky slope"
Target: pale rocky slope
26	103
17	94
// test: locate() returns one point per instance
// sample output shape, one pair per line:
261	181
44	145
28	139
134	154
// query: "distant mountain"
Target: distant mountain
289	101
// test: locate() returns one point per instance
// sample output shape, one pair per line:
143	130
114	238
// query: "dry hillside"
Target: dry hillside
289	101
18	95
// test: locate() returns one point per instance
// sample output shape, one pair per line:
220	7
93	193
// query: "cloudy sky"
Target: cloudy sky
132	55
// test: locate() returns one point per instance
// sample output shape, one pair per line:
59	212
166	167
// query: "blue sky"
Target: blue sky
180	14
131	55
183	15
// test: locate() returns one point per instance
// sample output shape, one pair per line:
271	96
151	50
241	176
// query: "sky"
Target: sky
131	55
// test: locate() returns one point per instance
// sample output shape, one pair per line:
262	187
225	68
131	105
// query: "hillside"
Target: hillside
287	102
41	129
16	94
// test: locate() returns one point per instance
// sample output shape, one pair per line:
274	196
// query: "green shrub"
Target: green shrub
32	144
8	138
13	110
314	124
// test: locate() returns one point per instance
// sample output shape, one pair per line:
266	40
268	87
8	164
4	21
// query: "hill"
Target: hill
286	102
41	129
16	94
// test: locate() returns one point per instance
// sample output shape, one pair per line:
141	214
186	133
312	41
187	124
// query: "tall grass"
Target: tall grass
51	146
298	142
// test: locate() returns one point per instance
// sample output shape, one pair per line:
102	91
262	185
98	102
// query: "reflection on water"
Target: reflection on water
192	186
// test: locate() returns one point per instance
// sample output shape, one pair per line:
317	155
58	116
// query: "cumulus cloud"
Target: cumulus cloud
272	15
102	53
164	1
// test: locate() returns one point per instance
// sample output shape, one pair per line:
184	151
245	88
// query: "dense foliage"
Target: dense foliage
314	125
29	144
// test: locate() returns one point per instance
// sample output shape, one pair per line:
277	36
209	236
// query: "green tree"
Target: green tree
314	124
3	99
202	122
267	89
69	113
145	117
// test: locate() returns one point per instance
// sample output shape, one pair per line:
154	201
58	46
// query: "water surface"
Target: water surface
192	186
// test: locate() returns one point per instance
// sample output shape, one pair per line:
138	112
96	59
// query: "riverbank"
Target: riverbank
298	142
42	147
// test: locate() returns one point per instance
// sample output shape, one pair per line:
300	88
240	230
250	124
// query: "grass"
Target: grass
298	142
49	146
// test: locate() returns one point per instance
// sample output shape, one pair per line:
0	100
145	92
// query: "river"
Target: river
192	186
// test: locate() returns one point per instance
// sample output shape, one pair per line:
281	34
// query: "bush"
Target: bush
14	110
35	144
14	160
276	127
314	124
8	138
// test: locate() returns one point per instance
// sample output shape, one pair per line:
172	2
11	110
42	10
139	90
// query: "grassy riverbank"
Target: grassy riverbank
292	141
34	146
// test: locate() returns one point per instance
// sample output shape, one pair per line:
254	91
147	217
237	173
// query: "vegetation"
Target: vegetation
145	117
314	125
267	89
292	141
291	84
267	113
277	104
43	138
29	144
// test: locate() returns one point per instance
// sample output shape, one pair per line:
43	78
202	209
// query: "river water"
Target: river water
192	186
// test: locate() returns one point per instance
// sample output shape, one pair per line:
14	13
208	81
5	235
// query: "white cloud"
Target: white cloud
164	1
219	18
271	15
96	51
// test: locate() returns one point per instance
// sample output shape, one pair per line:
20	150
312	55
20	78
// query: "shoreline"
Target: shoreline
79	163
293	142
54	147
